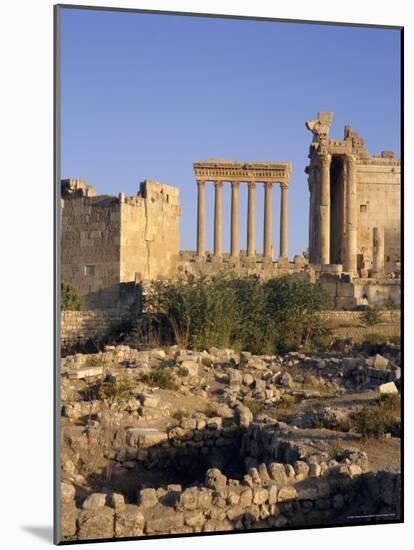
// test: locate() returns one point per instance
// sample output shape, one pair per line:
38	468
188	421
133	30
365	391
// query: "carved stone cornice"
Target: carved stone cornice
226	170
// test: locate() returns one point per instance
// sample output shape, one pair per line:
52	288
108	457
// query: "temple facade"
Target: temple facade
354	210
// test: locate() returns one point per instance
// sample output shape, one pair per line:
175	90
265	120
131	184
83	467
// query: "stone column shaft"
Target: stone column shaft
267	234
218	218
325	209
284	222
201	219
350	259
251	220
235	218
378	250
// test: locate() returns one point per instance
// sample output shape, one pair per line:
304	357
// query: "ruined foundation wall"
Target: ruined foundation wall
78	327
287	489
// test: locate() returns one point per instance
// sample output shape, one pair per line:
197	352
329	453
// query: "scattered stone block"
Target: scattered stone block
94	501
278	473
117	501
244	416
380	362
85	372
165	522
215	479
67	492
129	522
288	492
145	437
96	524
147	498
388	388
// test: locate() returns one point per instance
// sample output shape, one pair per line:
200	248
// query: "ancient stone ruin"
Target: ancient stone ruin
158	439
239	442
110	244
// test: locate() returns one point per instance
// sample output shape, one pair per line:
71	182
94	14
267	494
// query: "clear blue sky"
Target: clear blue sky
144	95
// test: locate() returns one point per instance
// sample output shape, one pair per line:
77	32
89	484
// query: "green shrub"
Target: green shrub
70	298
371	316
336	452
285	401
391	305
381	418
210	411
374	343
179	414
245	313
92	361
116	391
255	406
160	377
182	371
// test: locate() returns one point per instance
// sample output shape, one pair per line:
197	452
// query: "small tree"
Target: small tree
70	299
371	316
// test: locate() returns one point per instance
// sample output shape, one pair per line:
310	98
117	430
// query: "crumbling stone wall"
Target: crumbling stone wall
275	495
78	327
111	242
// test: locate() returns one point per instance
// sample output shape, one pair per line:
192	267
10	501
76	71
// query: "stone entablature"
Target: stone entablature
242	171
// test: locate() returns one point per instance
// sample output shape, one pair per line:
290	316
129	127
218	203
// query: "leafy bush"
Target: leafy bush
255	405
160	377
285	401
390	305
336	452
179	414
70	298
92	361
183	371
371	316
374	343
211	411
381	418
116	391
239	312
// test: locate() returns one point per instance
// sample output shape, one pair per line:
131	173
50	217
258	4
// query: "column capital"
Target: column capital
251	184
325	158
268	184
218	184
200	182
235	184
351	159
284	185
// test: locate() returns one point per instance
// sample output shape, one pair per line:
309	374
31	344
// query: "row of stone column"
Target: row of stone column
350	248
251	219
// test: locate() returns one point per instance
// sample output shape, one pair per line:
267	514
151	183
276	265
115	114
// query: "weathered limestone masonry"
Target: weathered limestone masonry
111	243
79	327
354	202
288	488
354	217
